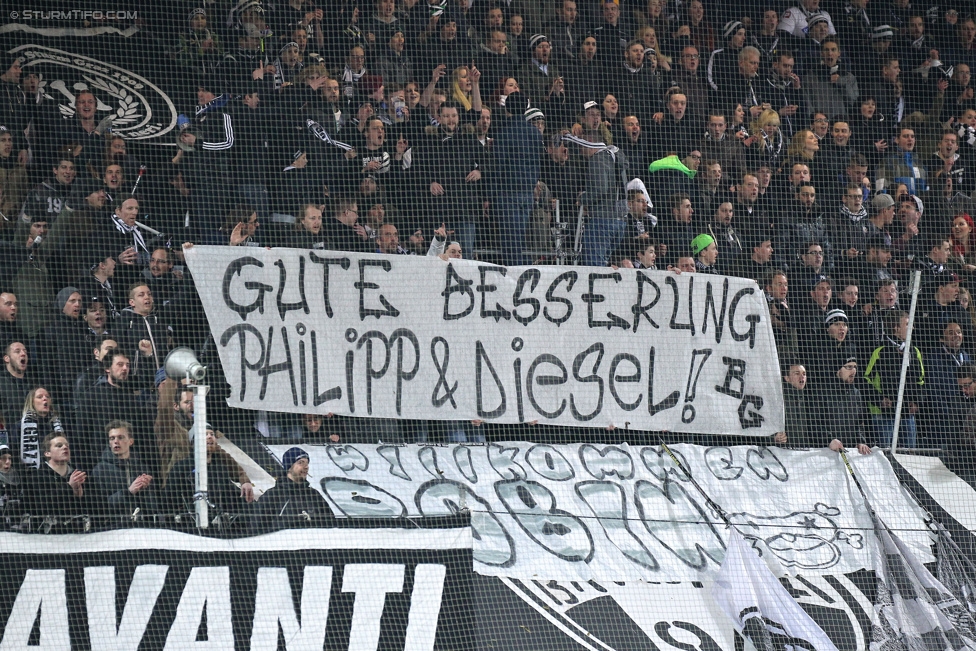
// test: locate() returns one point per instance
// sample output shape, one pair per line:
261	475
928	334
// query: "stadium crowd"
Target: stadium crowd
826	150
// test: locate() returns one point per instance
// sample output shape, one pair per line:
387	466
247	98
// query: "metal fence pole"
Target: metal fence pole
905	359
200	496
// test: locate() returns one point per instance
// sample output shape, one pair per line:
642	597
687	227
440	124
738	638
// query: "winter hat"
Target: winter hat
590	104
291	456
816	279
882	201
701	243
199	11
535	40
534	114
834	316
882	31
819	18
4	449
63	297
287	45
731	28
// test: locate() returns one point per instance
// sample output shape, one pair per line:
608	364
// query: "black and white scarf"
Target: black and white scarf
30	443
854	217
322	134
137	240
591	145
279	75
350	78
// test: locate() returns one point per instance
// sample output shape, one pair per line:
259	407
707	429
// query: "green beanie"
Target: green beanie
701	243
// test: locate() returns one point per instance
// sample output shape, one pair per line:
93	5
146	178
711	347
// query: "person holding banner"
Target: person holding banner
292	502
706	254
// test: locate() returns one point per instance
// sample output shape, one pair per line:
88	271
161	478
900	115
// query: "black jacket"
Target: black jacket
63	352
448	159
131	328
101	405
110	481
842	413
48	494
290	504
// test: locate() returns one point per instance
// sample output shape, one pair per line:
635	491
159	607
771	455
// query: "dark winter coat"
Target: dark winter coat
110	481
291	504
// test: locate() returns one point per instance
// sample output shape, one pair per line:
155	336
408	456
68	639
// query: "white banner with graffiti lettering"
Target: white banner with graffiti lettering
418	337
625	512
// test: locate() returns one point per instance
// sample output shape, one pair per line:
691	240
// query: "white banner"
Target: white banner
623	513
417	337
761	609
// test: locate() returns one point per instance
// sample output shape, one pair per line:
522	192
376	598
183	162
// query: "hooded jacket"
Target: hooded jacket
131	328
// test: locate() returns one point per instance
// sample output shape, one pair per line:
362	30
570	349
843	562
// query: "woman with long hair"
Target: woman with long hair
461	88
611	114
653	16
966	303
766	140
699	30
506	87
804	145
962	239
39	419
648	36
803	148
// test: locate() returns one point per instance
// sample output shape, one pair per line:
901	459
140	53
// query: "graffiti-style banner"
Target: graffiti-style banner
622	512
417	337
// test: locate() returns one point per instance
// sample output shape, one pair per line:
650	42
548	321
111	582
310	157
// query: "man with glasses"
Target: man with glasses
849	228
812	261
820	125
694	85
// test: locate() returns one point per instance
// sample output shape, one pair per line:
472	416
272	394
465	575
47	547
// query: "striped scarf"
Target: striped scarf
586	144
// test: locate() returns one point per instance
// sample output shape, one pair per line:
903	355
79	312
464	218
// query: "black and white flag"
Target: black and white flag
760	607
914	610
